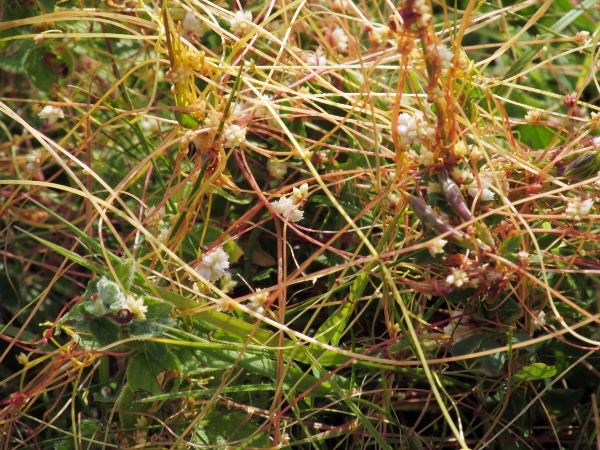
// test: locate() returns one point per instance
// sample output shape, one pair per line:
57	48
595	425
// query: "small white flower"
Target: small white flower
224	304
34	159
458	332
413	129
426	157
22	359
437	246
258	300
286	207
234	135
227	283
596	141
179	75
300	194
340	39
485	194
240	23
457	278
276	169
539	321
150	125
136	306
213	265
461	175
533	116
378	34
164	235
433	187
340	5
577	209
155	216
446	57
211	120
191	24
474	153
316	60
261	110
460	149
582	36
51	114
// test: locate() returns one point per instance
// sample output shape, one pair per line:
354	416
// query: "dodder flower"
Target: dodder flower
340	39
457	278
577	209
276	169
213	265
288	206
413	129
51	114
234	135
240	23
446	57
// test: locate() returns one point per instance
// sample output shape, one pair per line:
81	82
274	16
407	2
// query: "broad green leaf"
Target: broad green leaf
509	311
44	67
535	371
468	345
495	362
144	368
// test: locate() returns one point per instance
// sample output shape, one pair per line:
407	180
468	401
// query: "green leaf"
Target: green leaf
44	67
333	328
105	332
510	245
495	362
185	120
125	272
144	368
535	371
509	311
468	345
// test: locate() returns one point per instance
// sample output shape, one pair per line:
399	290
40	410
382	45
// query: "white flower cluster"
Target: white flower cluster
51	114
339	38
577	209
240	23
288	206
458	277
316	60
379	33
413	129
258	300
445	57
213	265
179	74
154	216
425	157
34	159
234	135
276	169
485	194
533	116
423	11
191	24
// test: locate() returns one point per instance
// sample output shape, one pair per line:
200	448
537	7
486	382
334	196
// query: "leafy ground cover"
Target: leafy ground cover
305	224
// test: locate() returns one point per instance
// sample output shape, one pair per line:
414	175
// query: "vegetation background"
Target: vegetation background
315	224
